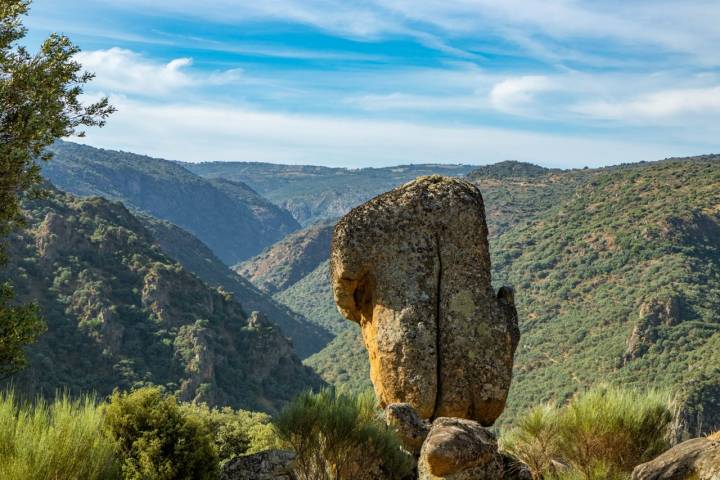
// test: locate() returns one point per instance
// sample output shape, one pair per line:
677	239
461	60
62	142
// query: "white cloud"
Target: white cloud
120	70
224	132
658	106
123	71
515	95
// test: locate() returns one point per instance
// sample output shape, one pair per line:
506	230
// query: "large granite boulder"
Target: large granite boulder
412	267
458	449
696	459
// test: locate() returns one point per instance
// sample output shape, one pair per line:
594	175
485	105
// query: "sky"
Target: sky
560	83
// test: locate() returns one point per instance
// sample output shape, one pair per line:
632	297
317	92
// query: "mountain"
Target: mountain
289	260
617	278
319	193
510	169
228	216
621	282
194	256
122	313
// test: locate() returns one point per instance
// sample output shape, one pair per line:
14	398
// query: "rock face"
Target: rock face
654	314
411	429
267	465
458	449
696	459
412	267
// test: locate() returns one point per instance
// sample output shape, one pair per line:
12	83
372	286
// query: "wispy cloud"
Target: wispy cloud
662	106
688	26
119	70
387	81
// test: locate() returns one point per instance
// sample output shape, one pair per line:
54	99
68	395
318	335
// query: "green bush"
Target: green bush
156	440
337	436
235	432
602	433
615	427
534	440
62	439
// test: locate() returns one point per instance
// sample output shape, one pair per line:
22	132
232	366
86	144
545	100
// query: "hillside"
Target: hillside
121	313
617	277
289	260
319	193
228	216
312	296
307	337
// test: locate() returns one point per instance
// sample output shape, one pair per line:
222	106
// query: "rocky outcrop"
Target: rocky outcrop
458	449
699	409
267	465
412	267
696	459
653	315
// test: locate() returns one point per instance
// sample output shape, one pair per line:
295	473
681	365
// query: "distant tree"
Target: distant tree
39	103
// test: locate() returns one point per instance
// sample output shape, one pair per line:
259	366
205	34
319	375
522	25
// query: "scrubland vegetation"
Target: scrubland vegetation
146	434
338	436
600	434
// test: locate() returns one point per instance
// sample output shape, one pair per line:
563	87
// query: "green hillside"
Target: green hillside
196	257
289	260
319	193
121	313
617	278
228	216
312	296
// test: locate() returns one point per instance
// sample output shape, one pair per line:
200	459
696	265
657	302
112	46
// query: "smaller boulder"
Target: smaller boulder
696	459
458	449
514	469
408	425
267	465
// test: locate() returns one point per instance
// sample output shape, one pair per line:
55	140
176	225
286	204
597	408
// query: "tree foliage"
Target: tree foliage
156	440
40	101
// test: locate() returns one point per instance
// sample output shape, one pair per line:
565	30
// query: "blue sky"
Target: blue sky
382	82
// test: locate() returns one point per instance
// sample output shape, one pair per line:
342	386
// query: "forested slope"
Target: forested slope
122	313
228	216
617	278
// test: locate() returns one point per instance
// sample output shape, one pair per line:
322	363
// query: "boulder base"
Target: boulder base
458	449
696	459
411	429
267	465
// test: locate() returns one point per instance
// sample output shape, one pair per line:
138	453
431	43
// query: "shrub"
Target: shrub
614	427
156	440
337	436
62	439
235	432
602	433
534	440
